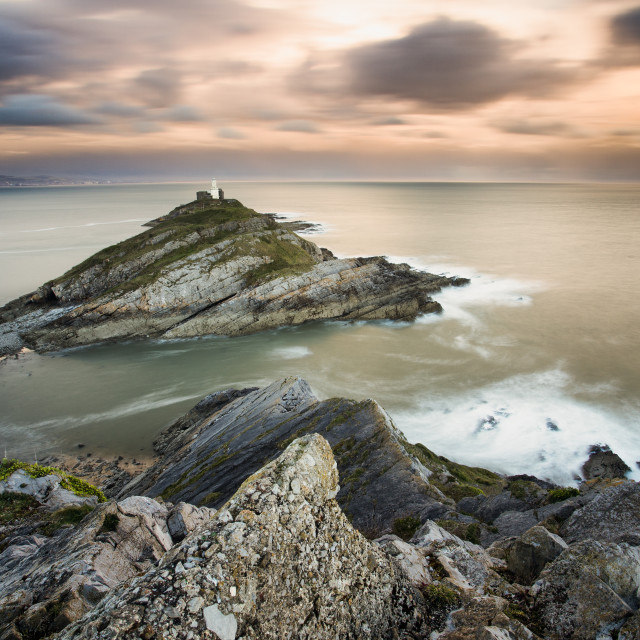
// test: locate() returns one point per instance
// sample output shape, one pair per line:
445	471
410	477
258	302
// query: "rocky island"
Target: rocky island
211	266
272	514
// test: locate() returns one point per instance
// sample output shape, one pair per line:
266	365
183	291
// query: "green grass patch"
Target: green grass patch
65	517
67	481
14	507
465	531
110	523
440	600
562	493
405	527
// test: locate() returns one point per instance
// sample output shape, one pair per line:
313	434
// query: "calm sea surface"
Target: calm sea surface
533	362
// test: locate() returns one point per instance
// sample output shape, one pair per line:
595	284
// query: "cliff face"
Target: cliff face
211	267
228	435
279	561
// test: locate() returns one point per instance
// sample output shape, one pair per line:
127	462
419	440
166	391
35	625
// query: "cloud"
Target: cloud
625	28
452	64
302	126
183	113
230	133
120	110
392	120
157	87
41	111
531	128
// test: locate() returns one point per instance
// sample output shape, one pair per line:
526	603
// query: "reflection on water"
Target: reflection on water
547	333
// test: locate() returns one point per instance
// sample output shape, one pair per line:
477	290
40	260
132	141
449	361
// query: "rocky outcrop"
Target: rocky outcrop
208	454
48	582
212	267
279	560
604	463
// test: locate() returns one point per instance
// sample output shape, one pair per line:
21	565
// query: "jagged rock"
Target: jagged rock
528	555
185	518
380	480
46	490
488	509
410	558
483	618
611	515
279	556
213	268
514	523
467	565
66	575
589	589
604	463
630	630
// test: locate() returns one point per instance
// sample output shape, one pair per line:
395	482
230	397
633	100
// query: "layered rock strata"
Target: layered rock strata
212	268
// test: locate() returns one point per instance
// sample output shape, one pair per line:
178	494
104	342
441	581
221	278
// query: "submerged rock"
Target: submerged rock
211	267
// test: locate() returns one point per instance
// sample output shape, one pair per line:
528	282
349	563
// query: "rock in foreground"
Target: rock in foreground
279	560
211	267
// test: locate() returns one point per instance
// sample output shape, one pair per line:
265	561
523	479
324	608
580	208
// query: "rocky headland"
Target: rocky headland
211	267
272	514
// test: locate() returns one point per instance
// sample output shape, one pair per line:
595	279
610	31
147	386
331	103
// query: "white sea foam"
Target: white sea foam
291	353
532	423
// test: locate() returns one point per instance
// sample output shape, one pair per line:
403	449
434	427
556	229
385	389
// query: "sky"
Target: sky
534	90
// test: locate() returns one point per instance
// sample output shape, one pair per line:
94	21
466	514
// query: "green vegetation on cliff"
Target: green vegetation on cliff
67	481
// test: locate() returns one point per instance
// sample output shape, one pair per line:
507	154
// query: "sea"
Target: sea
527	367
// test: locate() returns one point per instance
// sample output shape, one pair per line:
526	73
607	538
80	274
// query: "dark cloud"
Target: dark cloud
25	51
392	120
157	87
183	113
452	64
532	128
303	126
41	111
625	28
120	110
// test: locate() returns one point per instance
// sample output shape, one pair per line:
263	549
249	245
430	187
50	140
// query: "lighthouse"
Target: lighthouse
216	193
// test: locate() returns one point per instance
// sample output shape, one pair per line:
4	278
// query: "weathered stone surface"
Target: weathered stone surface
514	523
280	556
46	490
63	577
604	463
467	565
380	481
483	618
185	518
610	516
589	589
528	555
412	559
214	268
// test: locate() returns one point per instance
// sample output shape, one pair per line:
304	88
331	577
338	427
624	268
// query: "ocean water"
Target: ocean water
533	362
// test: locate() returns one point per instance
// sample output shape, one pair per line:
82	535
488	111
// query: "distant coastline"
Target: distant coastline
47	181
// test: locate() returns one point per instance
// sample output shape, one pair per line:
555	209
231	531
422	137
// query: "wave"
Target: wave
531	423
291	353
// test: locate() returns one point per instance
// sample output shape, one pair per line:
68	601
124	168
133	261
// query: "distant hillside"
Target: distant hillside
46	181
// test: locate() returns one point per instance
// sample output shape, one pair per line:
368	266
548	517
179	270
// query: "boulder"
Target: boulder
604	463
611	515
280	555
514	523
589	589
528	555
185	518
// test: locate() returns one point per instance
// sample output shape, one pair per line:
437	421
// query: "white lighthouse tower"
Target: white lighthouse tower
216	194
